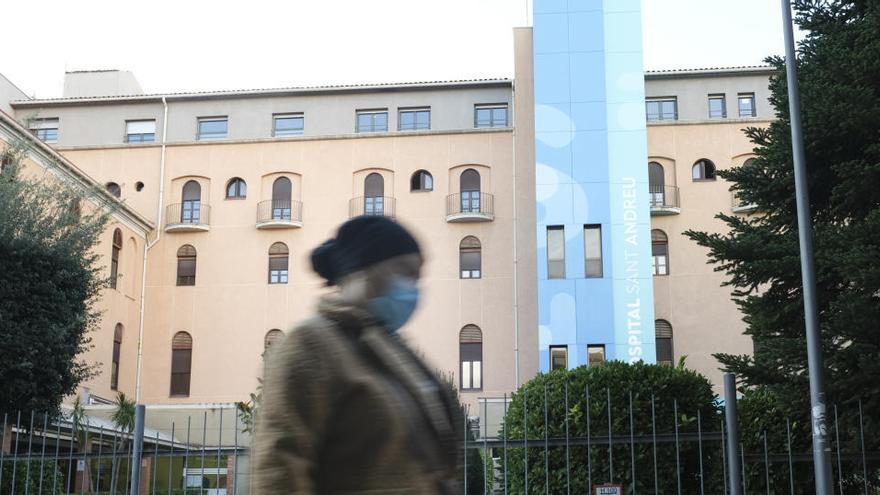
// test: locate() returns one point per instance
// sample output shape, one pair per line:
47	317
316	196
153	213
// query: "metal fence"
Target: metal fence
652	444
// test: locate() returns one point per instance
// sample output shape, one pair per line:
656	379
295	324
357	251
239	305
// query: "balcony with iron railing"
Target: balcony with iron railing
664	200
737	205
372	206
279	214
189	216
470	206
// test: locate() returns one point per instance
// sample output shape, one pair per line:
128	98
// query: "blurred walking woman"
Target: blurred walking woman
347	407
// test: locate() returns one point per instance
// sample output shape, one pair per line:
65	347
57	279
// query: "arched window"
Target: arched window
749	163
663	335
374	192
659	252
114	257
470	191
470	352
114	189
272	337
190	211
181	364
236	188
703	170
422	180
470	257
281	192
656	184
117	347
186	265
278	256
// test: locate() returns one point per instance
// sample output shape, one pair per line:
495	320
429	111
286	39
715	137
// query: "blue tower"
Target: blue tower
593	219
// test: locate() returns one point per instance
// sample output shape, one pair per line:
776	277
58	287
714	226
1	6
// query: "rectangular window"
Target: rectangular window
46	130
490	115
660	260
471	375
413	119
213	128
372	120
595	354
555	251
593	251
278	270
291	124
717	107
665	108
558	357
181	369
186	271
747	105
140	131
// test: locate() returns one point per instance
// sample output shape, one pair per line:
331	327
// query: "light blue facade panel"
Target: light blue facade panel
624	6
591	168
589	116
556	166
584	5
623	32
589	157
554	117
551	33
552	90
587	79
585	31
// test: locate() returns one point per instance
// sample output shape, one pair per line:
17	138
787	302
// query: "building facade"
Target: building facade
550	206
243	185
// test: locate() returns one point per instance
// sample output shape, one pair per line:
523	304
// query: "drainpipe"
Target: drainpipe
515	259
161	202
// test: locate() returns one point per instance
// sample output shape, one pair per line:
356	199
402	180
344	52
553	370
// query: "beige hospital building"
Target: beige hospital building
224	194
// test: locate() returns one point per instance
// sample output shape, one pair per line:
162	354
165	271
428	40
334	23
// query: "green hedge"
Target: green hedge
617	380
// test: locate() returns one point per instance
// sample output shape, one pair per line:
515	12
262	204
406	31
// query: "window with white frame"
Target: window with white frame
659	252
140	131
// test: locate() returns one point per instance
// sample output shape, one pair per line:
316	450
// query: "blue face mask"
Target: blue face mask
396	305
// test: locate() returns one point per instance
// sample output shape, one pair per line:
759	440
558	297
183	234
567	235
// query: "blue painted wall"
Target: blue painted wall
591	154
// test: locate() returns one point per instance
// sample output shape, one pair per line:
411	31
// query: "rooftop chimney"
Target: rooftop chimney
89	83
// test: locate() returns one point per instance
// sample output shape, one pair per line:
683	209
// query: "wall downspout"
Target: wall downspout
515	254
161	202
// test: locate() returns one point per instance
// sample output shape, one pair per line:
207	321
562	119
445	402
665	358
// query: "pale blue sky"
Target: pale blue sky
191	45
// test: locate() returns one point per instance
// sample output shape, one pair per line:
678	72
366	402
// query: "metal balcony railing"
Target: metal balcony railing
372	206
470	206
664	199
279	213
188	216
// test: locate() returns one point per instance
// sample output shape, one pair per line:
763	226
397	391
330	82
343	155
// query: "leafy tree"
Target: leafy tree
839	78
50	279
658	392
123	417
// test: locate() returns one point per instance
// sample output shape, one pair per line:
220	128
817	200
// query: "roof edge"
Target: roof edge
252	93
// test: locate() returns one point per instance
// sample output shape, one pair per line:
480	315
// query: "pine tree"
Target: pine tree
50	278
839	78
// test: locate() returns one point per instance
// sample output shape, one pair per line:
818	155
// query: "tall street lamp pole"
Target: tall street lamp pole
821	449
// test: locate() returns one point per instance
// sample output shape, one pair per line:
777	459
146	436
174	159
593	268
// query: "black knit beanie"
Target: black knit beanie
359	243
